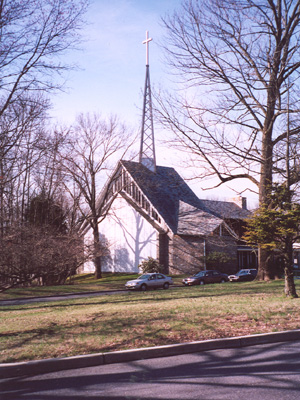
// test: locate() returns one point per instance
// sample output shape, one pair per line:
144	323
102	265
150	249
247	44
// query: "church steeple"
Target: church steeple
147	150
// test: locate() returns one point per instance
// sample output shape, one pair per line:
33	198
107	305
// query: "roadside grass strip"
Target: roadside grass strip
135	319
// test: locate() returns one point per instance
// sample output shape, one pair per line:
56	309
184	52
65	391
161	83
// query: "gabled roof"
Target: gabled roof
177	204
225	209
164	189
193	221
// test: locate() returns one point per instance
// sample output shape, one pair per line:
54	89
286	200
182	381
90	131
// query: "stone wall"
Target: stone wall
223	245
187	254
163	251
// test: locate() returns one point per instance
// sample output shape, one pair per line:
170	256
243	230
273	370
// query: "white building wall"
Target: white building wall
130	238
88	266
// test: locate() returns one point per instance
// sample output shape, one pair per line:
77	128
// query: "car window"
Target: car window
209	273
199	274
216	273
152	277
160	276
146	276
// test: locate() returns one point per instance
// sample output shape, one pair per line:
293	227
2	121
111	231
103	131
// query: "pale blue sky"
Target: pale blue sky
112	71
112	59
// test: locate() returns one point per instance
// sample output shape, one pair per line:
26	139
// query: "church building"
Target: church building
150	211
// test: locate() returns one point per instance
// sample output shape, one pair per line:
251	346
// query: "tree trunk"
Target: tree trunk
98	270
97	254
1	197
289	284
265	184
264	272
264	265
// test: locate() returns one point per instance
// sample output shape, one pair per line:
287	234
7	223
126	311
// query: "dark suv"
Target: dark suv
202	277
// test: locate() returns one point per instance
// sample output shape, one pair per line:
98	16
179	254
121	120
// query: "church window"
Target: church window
133	190
224	231
155	215
135	193
126	183
221	231
147	205
118	184
124	177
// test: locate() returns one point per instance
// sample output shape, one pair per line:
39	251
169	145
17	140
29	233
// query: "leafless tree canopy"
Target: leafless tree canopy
238	62
236	59
34	35
94	147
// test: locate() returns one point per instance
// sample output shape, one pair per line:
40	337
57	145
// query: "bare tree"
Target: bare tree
31	254
33	37
34	34
237	60
22	144
95	146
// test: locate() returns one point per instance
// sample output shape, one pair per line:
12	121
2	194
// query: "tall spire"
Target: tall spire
147	150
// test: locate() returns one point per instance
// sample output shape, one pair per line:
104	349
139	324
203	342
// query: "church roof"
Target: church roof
177	204
225	209
194	221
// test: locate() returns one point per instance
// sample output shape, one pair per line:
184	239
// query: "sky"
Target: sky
111	72
112	60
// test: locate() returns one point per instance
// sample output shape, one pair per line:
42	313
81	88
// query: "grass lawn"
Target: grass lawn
78	284
136	319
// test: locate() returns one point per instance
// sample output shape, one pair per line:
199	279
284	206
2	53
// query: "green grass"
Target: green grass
77	284
136	319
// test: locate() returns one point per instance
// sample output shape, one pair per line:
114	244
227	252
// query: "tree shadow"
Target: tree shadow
266	372
149	296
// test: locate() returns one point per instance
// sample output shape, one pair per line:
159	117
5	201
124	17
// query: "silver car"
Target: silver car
149	281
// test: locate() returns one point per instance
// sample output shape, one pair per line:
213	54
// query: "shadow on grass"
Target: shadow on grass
275	288
116	334
112	327
78	283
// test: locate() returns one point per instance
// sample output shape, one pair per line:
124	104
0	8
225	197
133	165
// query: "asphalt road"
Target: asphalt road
261	372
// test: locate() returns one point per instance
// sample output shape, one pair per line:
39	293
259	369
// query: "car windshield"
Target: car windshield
243	272
199	274
145	276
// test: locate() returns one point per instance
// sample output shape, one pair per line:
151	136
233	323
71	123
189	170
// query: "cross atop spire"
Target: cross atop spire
147	150
146	42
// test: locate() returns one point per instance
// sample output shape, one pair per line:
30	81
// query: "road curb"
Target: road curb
37	367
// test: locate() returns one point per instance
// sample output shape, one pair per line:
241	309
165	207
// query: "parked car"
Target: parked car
149	281
243	275
203	277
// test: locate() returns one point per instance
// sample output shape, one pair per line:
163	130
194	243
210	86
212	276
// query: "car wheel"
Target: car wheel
166	285
222	281
143	287
201	282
